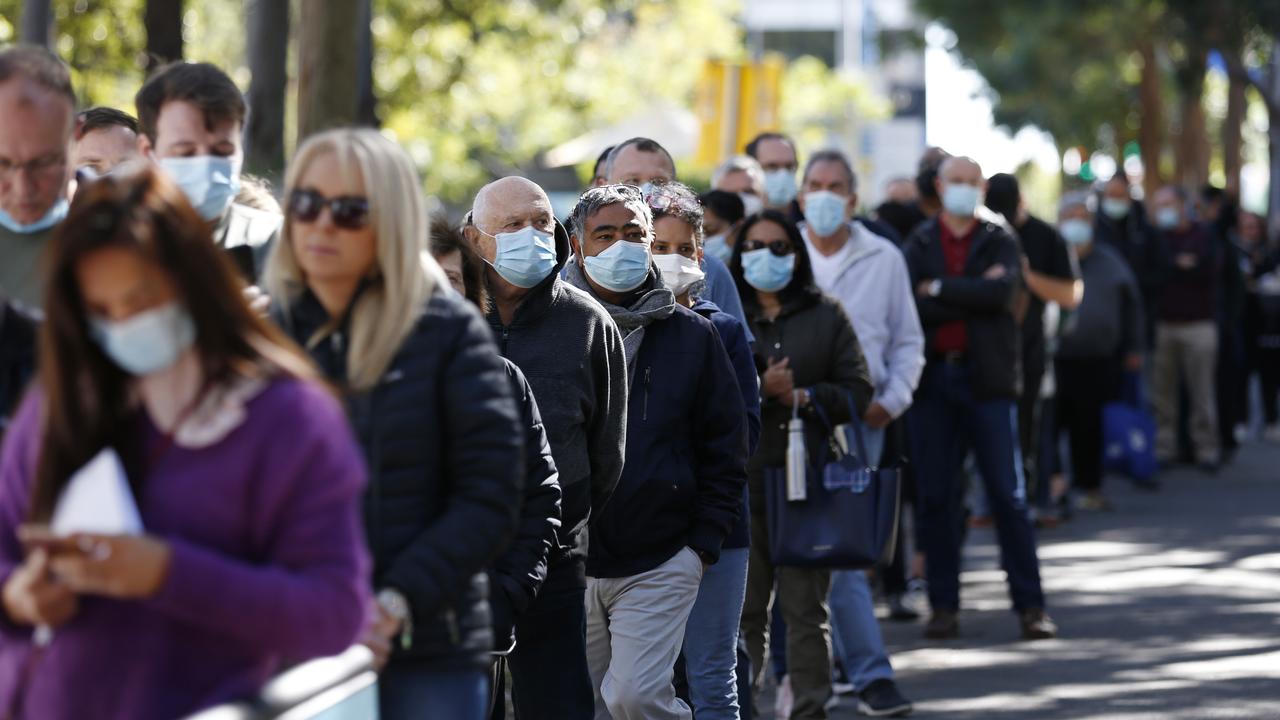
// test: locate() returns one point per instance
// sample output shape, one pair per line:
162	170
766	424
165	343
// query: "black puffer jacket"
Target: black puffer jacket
520	572
17	356
442	437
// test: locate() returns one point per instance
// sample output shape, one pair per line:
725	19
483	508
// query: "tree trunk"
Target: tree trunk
1231	134
163	21
367	109
1192	163
268	48
36	23
1151	128
328	51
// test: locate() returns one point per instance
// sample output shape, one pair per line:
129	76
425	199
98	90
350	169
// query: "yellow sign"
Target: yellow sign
736	102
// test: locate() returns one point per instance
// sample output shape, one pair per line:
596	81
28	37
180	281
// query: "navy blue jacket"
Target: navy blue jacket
734	336
685	468
442	437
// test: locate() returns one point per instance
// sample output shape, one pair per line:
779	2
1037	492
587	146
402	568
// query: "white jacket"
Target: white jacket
875	290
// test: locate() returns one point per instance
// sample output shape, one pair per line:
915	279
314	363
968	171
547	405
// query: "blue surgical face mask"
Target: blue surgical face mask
209	181
1115	208
824	212
52	216
960	199
718	247
525	257
1168	218
148	342
767	272
1076	232
621	268
780	186
751	204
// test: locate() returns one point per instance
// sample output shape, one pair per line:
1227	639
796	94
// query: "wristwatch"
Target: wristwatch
935	287
395	605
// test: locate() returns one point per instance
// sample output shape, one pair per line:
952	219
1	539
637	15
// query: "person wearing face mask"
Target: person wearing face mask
721	216
1186	331
37	119
646	164
572	354
519	574
251	550
191	117
867	274
813	358
1123	223
777	156
1099	341
741	174
684	470
431	404
967	276
711	666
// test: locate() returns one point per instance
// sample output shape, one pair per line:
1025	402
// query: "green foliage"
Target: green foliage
818	102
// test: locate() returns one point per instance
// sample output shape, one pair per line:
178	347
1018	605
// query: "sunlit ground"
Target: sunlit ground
1169	606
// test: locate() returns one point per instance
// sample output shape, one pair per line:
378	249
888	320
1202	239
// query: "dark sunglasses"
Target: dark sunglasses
781	248
348	212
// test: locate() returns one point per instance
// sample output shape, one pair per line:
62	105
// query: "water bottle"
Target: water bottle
797	456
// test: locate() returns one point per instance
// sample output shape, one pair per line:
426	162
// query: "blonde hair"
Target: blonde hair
405	276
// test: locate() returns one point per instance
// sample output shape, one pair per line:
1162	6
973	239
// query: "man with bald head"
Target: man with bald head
37	116
967	277
571	351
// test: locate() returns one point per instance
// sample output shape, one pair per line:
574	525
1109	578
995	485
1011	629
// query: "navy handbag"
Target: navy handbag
849	517
1129	433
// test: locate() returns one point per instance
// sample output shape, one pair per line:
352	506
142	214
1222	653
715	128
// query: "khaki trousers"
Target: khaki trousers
1187	351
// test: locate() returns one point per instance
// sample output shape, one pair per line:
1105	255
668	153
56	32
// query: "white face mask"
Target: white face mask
751	204
148	342
679	273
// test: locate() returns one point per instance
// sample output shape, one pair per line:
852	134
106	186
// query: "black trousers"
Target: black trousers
1085	385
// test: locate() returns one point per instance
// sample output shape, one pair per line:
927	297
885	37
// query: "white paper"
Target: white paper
98	500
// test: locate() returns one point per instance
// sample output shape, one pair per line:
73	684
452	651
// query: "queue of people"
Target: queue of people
520	449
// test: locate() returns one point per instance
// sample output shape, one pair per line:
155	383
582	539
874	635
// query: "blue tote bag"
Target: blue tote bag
849	517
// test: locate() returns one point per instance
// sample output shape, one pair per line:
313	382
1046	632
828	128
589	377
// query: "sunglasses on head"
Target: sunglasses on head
781	248
348	212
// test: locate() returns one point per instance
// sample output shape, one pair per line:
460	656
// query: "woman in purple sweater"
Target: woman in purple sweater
245	475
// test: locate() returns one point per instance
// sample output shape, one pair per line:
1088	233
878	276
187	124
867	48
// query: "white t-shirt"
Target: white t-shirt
826	268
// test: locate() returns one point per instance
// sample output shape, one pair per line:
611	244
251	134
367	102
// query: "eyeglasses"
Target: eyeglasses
666	198
39	166
348	212
781	248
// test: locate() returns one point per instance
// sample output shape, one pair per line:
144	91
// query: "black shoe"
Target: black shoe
1037	625
944	625
899	611
882	699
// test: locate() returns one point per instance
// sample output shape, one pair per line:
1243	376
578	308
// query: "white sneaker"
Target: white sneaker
784	701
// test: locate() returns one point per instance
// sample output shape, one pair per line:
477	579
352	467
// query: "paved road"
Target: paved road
1169	608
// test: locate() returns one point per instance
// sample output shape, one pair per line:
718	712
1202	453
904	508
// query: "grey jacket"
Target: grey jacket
1110	318
571	352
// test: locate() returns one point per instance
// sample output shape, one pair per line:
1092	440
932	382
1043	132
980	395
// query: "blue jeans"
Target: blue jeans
946	423
711	637
406	692
855	633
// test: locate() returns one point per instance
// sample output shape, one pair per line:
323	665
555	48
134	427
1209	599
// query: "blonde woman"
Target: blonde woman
430	403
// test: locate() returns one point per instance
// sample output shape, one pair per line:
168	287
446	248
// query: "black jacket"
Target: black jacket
1145	252
815	335
519	573
445	448
17	356
686	453
986	306
571	353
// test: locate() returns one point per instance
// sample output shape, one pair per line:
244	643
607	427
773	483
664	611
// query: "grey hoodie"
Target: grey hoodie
572	354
